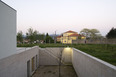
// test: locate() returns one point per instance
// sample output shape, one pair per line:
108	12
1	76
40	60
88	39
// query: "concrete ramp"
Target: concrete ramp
53	71
46	58
51	56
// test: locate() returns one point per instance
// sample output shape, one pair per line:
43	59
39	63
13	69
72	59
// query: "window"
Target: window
36	60
33	64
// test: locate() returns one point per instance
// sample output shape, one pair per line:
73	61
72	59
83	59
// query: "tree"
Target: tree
90	33
85	32
29	35
41	36
111	34
34	35
20	36
48	39
94	33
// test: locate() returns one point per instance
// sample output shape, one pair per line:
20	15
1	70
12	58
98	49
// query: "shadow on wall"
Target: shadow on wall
51	56
67	55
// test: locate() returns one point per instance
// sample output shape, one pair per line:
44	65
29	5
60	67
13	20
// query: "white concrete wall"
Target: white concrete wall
16	65
50	56
67	56
89	66
7	30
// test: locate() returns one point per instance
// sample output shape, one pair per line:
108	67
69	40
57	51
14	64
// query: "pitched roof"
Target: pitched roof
58	36
75	34
70	31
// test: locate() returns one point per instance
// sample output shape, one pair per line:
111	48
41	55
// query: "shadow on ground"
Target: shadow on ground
53	71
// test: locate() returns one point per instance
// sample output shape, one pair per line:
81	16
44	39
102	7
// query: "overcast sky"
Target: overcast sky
63	15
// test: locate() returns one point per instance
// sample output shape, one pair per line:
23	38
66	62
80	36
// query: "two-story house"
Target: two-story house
67	37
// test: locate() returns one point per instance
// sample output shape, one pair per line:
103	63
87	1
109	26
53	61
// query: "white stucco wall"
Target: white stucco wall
86	65
50	56
16	64
7	30
67	56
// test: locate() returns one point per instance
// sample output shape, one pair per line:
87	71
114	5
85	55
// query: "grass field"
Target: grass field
105	52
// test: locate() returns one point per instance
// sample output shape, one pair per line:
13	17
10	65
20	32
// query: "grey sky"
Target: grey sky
62	15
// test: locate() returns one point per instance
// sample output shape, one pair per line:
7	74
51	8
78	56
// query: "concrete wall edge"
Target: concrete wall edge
97	59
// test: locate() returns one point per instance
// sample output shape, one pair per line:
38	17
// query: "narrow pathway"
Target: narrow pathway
53	71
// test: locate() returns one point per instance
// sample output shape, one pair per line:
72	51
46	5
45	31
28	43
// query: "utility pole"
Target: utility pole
55	38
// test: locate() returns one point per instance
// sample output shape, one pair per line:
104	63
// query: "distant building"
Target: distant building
69	36
58	38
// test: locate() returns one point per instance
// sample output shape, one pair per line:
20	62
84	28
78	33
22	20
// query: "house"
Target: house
58	38
69	36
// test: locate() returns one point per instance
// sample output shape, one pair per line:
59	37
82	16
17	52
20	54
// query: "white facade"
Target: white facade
17	64
86	65
7	30
50	56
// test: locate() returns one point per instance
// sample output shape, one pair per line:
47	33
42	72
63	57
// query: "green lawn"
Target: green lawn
105	52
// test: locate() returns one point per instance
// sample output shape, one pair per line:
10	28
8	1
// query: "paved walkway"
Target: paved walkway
53	71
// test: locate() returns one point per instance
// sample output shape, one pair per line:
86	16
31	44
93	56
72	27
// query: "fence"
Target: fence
95	41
